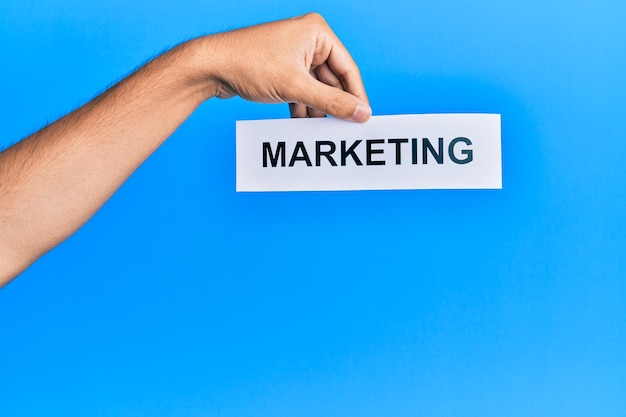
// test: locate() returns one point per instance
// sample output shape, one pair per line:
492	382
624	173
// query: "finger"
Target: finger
345	69
331	100
325	75
313	112
340	62
297	110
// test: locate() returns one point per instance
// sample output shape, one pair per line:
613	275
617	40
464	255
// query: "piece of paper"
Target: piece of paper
417	151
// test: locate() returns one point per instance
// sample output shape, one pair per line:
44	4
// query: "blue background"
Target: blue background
182	297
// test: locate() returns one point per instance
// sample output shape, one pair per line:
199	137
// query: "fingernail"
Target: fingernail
362	113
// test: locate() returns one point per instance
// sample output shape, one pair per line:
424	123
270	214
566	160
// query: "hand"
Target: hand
299	61
53	181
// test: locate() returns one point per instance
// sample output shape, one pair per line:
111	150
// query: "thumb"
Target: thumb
333	101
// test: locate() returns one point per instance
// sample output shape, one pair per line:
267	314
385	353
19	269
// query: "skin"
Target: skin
53	181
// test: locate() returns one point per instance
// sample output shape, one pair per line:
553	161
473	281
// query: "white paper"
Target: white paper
435	151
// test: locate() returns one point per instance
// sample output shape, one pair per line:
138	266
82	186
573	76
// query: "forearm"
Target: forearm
52	182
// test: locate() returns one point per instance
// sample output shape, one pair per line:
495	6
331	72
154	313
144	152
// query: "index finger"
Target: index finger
332	52
341	63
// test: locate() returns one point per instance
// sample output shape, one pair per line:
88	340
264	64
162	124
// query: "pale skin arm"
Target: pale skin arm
52	182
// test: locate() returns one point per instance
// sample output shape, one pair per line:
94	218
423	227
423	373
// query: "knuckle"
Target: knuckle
316	18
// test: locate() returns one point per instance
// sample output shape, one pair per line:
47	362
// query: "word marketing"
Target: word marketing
369	152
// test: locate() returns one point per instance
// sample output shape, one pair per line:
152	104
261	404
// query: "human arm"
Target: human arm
52	182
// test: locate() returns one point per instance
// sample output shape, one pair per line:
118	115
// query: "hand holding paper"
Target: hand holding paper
52	182
299	61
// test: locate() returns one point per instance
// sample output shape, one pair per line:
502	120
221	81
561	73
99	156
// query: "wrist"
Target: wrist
199	63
